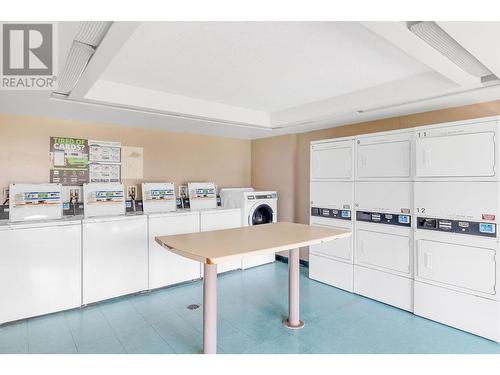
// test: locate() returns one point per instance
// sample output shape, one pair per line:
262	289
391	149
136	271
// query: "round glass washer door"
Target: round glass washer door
263	214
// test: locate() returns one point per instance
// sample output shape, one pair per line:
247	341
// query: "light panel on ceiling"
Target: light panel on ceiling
87	39
440	40
92	32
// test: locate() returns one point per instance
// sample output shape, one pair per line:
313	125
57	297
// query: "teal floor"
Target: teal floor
252	304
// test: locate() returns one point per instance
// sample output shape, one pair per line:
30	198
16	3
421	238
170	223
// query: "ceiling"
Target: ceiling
258	79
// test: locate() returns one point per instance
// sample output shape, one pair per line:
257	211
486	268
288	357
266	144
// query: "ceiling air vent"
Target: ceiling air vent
440	40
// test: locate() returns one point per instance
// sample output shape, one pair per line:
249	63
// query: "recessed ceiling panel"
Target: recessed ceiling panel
264	66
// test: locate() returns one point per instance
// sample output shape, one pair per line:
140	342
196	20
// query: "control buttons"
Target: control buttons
404	219
458	226
331	213
445	225
487	228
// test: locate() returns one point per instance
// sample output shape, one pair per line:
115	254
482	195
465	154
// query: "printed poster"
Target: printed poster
100	172
104	161
69	159
104	152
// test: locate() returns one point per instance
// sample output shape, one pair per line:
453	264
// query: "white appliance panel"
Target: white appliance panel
340	249
332	194
35	202
222	219
470	313
331	272
40	270
384	156
158	197
386	197
332	160
103	199
233	197
385	287
467	266
458	200
388	251
459	151
115	257
165	267
202	195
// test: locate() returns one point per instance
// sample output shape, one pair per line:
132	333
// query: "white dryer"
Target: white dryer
383	256
457	205
331	199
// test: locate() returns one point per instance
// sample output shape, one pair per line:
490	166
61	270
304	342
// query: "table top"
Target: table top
219	246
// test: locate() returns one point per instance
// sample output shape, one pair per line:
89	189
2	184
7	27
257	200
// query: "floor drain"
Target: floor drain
194	306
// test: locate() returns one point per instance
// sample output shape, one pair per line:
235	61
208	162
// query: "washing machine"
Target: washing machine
165	267
114	245
456	241
40	254
258	207
331	199
383	256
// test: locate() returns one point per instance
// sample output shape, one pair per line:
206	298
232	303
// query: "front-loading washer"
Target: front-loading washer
259	207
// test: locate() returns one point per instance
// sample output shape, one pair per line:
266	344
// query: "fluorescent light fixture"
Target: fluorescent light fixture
85	43
92	32
440	40
78	57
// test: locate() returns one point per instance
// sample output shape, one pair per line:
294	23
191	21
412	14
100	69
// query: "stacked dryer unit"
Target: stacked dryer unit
383	255
331	198
457	192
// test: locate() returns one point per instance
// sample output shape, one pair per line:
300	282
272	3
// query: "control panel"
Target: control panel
458	226
331	213
158	197
202	195
37	197
252	197
105	196
35	202
101	199
384	218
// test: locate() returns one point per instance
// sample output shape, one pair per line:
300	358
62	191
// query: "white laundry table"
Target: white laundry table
219	246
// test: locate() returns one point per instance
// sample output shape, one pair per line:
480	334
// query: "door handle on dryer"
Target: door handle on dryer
364	247
428	260
427	157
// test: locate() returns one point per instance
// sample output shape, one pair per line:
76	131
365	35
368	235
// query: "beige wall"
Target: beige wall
168	156
275	152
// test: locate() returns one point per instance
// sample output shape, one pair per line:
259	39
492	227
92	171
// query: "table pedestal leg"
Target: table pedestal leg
210	309
293	321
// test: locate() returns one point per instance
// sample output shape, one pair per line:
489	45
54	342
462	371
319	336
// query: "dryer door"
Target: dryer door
261	213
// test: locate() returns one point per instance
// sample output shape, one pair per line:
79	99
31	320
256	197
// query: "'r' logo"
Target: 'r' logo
27	49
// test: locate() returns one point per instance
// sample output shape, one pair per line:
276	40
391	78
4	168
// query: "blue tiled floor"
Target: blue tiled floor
252	304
